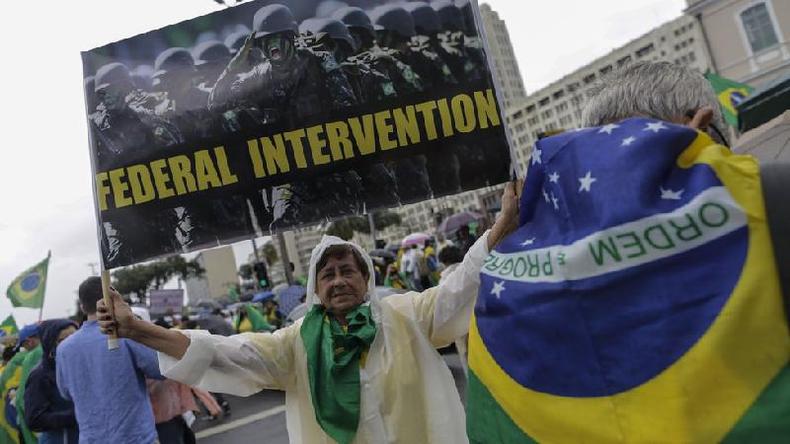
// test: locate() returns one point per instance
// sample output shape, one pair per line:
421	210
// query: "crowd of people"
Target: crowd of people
356	367
47	400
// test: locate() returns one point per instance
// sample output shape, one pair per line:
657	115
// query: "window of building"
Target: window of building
519	114
543	102
692	57
606	69
533	121
546	114
573	86
558	94
589	79
520	127
645	50
530	109
561	107
759	27
624	60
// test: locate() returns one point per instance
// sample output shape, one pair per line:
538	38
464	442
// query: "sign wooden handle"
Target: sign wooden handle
112	339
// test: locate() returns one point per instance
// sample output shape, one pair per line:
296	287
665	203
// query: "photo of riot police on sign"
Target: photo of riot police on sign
273	115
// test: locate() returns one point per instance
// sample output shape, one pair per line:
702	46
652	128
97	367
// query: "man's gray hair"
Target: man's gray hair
661	90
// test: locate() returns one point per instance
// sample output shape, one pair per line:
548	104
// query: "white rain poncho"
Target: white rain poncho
407	393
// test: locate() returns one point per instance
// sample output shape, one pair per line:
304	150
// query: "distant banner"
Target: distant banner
270	116
165	302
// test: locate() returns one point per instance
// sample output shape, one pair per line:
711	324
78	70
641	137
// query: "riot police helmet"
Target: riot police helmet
333	28
272	19
393	18
426	20
212	51
173	59
354	17
450	15
113	75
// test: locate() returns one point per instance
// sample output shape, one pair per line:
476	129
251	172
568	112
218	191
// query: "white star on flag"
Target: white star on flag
655	127
499	287
528	242
555	201
668	194
536	153
628	141
554	177
586	182
608	128
546	196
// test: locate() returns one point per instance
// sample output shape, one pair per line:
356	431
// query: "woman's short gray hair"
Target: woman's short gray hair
661	90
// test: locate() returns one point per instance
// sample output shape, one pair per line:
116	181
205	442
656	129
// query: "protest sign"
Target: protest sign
165	302
265	117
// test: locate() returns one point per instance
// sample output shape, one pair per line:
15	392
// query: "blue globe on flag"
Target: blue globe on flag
30	282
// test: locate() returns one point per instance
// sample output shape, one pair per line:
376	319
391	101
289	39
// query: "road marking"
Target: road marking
239	422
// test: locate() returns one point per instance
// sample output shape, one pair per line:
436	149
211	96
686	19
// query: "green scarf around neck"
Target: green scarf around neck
333	360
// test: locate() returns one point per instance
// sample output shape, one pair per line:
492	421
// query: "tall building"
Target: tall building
221	273
559	105
503	59
747	38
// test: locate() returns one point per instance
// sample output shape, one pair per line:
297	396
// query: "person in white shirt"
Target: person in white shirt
356	368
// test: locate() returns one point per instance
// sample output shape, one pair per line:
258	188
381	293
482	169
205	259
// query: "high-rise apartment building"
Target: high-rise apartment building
502	57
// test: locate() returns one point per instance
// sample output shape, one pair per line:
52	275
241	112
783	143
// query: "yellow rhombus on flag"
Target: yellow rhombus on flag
28	288
730	93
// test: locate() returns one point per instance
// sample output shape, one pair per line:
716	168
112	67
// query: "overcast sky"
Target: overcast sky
45	178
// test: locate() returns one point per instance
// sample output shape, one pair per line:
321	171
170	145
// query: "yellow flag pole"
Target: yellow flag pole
112	340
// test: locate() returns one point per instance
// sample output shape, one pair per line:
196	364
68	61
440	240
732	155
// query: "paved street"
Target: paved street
261	418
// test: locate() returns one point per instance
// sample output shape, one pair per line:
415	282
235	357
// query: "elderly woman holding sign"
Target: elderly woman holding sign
355	368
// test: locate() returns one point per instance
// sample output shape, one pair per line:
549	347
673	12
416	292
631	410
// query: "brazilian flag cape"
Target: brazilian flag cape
730	94
638	301
9	379
32	359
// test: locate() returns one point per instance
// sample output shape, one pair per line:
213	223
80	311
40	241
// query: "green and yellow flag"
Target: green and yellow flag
730	94
9	326
28	288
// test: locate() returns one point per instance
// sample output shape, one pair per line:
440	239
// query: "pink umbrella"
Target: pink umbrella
414	239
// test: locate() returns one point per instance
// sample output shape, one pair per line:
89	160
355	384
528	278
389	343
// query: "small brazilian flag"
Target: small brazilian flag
730	94
28	288
9	326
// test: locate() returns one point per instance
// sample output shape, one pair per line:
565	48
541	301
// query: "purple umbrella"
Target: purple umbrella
414	239
458	220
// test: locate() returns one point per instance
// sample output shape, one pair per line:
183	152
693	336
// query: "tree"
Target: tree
270	253
345	228
138	279
245	271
